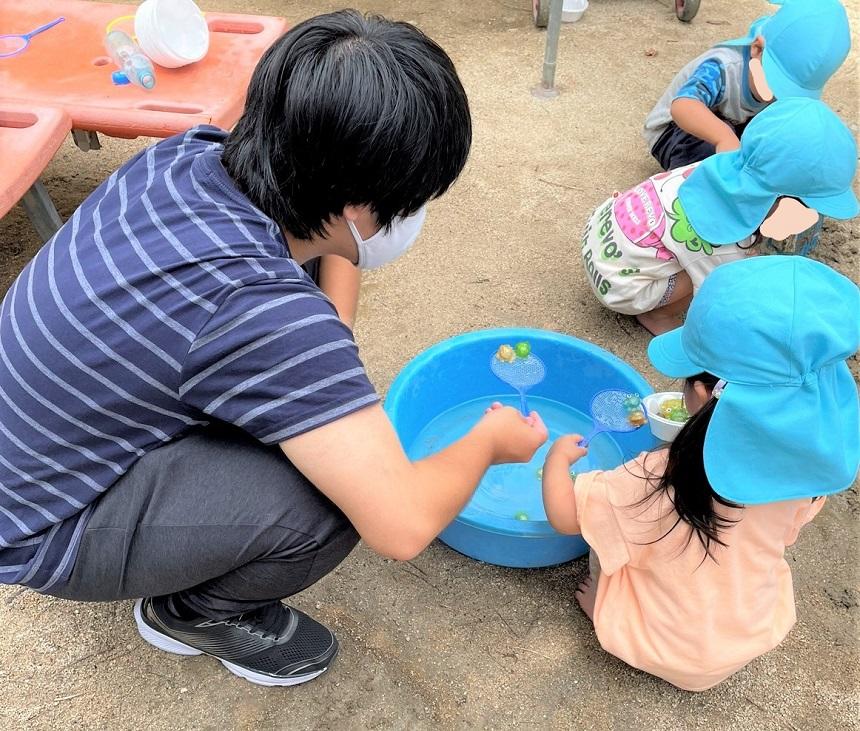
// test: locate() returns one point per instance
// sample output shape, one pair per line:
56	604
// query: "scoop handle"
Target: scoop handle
523	407
42	28
594	432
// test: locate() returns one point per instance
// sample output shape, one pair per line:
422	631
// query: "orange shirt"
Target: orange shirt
663	609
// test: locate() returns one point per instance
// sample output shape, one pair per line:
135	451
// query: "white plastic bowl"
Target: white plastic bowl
664	429
172	33
573	10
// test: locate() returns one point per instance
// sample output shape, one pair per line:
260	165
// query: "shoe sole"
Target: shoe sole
168	644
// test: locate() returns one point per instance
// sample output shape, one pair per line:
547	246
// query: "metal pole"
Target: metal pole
553	30
40	209
86	140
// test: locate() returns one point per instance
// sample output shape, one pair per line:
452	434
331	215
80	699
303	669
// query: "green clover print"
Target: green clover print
684	233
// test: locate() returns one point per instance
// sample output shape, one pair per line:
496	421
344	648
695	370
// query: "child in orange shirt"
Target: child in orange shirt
689	580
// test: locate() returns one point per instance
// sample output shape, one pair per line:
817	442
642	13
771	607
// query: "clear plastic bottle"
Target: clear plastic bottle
126	54
802	244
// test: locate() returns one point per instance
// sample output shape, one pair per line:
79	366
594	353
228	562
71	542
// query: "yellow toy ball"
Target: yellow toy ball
506	353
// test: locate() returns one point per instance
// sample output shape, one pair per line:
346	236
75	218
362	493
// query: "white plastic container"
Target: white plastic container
172	33
573	10
664	429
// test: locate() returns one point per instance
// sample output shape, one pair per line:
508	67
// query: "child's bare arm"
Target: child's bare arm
694	117
340	280
558	498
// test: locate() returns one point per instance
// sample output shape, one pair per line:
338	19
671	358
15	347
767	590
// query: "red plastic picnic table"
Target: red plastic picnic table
29	137
67	67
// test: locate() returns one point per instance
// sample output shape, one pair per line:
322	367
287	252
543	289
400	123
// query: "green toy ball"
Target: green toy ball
539	474
632	402
522	349
520	515
679	414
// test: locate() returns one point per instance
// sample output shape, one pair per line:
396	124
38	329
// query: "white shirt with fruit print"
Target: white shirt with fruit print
640	238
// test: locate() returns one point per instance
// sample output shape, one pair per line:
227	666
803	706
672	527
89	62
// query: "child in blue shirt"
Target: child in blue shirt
791	53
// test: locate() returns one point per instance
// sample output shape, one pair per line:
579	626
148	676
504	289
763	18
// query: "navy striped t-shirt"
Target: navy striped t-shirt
167	298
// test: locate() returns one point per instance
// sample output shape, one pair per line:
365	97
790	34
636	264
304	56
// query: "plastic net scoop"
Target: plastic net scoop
521	373
609	412
11	44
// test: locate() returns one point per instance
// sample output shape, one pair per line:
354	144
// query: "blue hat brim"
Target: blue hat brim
770	443
723	203
842	206
754	32
780	83
744	41
668	356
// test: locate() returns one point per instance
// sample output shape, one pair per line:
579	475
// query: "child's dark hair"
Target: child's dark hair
692	495
348	109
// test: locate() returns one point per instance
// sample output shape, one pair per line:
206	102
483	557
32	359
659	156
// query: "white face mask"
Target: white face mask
385	246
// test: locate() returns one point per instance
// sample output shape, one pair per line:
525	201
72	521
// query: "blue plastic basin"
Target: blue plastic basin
443	391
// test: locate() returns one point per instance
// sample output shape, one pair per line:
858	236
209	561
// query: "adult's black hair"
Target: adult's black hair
348	109
687	483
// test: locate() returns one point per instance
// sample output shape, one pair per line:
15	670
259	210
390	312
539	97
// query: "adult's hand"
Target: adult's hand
398	506
516	438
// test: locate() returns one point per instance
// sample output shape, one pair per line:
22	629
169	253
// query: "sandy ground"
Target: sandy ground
443	641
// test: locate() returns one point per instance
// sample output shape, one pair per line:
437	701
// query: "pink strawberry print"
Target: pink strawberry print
641	219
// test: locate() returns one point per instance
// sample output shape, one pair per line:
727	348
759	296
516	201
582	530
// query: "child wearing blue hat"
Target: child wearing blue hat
791	53
648	250
689	580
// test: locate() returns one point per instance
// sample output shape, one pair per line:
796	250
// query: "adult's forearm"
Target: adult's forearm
340	281
444	482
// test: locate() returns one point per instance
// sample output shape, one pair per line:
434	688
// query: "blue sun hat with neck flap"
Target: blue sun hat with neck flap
805	42
777	330
795	147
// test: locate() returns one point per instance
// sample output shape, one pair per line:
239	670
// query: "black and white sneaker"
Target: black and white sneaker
274	645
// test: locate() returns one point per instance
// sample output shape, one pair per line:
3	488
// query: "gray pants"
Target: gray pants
223	521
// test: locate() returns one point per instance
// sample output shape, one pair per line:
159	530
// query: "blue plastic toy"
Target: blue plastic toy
444	391
11	44
611	411
521	372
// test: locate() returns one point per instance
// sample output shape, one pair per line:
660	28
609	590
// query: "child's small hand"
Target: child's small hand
514	437
568	448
